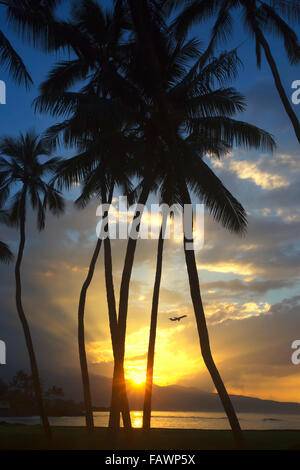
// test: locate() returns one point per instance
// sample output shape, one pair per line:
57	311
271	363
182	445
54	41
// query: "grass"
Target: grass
76	438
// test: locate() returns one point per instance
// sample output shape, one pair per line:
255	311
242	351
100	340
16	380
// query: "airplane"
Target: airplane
177	318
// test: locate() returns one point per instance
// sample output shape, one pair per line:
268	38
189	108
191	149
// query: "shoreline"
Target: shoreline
82	414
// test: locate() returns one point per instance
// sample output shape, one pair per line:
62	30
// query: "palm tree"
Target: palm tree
182	99
101	166
96	39
224	208
22	172
260	17
203	184
162	97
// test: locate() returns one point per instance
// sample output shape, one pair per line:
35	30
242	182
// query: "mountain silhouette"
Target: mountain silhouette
180	398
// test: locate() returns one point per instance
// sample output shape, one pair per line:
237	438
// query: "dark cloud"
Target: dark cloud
236	286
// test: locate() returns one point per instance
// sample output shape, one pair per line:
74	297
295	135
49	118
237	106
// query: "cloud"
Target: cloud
237	286
254	355
273	255
222	311
230	267
247	170
244	276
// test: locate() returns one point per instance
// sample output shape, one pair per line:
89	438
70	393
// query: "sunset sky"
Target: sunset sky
250	285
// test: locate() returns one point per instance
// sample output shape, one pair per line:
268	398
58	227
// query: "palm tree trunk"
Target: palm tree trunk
27	333
81	335
81	340
203	333
118	388
119	395
285	101
113	323
152	337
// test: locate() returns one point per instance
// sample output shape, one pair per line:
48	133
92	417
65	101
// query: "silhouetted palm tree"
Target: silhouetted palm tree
181	99
260	18
151	83
101	166
223	206
96	39
23	174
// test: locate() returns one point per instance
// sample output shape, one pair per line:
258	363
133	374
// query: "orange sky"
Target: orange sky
250	290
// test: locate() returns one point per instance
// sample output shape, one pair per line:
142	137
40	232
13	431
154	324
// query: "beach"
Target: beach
22	437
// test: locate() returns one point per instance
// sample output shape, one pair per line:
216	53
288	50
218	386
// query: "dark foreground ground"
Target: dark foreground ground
67	438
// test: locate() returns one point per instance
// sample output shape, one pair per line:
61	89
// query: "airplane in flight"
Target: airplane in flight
177	318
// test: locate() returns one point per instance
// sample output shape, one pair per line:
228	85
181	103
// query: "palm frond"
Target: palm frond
221	30
63	76
193	13
224	101
35	21
6	255
53	201
234	132
221	204
288	8
67	103
281	29
222	68
13	62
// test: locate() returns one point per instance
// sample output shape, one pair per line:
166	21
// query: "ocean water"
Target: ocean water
180	420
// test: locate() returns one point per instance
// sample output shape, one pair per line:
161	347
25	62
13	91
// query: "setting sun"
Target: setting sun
137	377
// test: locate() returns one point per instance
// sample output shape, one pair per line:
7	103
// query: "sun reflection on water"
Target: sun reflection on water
137	419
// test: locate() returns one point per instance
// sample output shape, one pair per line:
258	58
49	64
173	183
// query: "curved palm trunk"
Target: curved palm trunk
81	340
152	337
124	407
113	323
24	322
81	336
285	101
119	386
203	334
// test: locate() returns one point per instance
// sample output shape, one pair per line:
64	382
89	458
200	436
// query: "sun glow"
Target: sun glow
135	371
171	364
136	377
